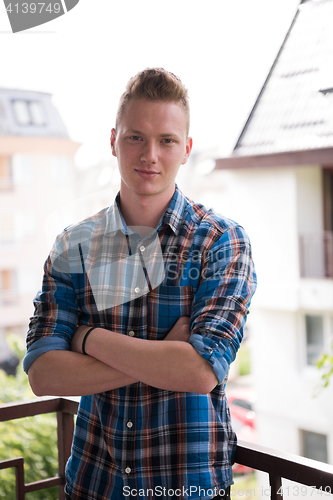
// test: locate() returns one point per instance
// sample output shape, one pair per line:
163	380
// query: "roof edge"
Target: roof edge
14	89
320	156
249	118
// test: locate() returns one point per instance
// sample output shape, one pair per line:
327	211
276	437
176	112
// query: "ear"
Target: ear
113	142
188	149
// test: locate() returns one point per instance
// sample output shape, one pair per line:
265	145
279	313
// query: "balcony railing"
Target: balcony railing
277	465
316	255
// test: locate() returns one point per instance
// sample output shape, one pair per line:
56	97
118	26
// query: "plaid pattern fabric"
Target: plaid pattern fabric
139	440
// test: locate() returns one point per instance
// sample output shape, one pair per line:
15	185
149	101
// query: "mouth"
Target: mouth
148	174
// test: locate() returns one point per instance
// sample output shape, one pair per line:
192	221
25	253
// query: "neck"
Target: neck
144	210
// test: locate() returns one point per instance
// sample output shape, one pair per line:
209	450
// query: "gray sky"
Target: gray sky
221	49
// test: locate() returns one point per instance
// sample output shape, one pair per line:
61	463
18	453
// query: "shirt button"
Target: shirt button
129	424
128	470
137	289
142	248
131	333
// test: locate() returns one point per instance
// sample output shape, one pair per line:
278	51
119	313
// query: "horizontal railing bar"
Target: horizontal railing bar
11	462
299	469
31	407
44	483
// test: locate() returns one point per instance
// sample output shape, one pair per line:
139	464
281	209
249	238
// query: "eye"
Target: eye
168	141
135	137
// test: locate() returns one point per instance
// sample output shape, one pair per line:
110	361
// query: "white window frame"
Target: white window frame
302	443
29	113
328	339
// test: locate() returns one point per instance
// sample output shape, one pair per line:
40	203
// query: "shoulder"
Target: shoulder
210	225
86	229
75	242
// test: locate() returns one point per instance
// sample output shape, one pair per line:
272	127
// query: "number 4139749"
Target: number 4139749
32	8
304	490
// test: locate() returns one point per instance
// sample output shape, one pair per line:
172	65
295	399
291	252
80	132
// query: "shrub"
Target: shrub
33	438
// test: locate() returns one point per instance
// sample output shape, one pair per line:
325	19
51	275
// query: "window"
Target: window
318	337
29	113
314	446
314	326
21	112
37	113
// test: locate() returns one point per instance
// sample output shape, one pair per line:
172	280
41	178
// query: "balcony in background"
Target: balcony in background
316	255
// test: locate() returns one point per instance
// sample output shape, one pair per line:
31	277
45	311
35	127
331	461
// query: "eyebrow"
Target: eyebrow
138	132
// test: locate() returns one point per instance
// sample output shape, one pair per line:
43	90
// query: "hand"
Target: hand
77	339
181	330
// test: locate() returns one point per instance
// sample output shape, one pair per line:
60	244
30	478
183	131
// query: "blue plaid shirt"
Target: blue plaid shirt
139	440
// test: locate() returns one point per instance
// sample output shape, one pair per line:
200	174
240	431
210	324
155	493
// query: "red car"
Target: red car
241	400
243	419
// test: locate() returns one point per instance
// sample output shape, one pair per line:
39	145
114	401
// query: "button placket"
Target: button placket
128	460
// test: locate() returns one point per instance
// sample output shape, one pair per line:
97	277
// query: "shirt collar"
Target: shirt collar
114	220
172	216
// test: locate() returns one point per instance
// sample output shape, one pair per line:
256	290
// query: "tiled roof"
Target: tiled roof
294	110
29	113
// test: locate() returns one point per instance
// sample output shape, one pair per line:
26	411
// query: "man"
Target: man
141	312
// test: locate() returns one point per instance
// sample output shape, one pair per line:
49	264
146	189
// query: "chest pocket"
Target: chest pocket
166	304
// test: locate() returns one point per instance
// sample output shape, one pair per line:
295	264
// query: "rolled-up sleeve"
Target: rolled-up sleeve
56	308
222	301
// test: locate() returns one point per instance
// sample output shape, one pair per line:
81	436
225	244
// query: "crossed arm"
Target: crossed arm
115	360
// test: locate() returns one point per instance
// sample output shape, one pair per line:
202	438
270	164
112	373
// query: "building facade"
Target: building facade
37	175
278	182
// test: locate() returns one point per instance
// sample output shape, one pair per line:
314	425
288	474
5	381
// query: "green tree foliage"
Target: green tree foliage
325	365
34	438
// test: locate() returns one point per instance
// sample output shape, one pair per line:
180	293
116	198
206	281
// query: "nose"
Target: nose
149	153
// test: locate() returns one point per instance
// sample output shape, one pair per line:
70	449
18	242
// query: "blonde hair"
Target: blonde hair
155	84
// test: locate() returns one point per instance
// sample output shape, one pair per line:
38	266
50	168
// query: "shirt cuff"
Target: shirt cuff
215	354
43	345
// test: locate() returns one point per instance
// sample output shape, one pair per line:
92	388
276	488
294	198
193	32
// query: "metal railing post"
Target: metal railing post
65	431
275	483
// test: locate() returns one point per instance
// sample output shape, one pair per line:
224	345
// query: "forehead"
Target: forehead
154	116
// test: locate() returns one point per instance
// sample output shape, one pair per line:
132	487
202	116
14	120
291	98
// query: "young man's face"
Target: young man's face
150	144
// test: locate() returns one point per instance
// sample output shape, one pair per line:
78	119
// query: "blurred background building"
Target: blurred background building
279	183
37	175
